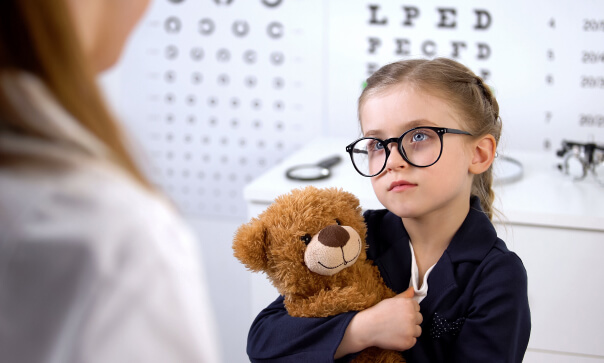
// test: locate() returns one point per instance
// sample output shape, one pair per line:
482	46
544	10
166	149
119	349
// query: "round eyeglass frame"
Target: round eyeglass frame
440	131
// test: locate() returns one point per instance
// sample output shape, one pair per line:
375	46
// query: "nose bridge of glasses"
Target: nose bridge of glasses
397	141
392	140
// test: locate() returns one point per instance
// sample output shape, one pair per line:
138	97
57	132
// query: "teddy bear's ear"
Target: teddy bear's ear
350	198
249	245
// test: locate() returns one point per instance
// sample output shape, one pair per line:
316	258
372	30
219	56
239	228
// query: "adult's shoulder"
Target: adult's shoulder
92	205
95	247
115	230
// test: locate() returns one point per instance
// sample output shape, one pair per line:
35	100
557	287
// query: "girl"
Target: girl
430	130
96	266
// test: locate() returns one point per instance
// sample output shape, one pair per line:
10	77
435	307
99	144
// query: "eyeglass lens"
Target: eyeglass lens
421	147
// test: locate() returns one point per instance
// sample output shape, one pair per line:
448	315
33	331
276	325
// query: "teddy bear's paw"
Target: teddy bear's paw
378	355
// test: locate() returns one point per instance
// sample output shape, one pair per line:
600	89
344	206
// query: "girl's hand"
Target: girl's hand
391	324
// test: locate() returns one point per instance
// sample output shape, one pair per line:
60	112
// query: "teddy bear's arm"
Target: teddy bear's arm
331	302
377	355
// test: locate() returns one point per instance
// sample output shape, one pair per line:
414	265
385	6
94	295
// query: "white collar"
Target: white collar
421	290
37	106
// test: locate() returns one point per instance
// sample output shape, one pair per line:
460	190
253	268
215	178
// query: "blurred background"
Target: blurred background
216	93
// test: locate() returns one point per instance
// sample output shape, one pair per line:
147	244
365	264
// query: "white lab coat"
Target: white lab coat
92	267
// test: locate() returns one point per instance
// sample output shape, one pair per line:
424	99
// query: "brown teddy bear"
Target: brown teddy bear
311	245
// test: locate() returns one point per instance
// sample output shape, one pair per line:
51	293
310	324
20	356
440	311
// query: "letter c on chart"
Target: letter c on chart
272	4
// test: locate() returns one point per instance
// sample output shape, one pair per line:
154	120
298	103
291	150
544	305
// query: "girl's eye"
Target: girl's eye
338	222
375	145
306	238
419	137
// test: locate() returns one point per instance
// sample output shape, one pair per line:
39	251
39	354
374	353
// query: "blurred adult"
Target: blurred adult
96	265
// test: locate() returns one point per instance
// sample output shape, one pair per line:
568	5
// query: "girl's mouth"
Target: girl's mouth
400	185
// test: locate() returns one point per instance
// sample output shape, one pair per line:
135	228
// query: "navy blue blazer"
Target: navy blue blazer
476	309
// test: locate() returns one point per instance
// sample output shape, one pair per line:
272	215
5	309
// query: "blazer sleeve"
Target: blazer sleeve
275	336
498	325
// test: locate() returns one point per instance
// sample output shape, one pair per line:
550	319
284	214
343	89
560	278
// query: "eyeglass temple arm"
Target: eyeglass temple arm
355	151
455	131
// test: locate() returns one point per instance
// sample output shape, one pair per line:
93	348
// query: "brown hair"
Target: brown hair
39	37
459	86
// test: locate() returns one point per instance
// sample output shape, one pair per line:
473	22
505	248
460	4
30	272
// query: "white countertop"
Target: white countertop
543	196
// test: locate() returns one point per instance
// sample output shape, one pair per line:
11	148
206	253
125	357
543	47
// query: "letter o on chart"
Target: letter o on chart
271	3
206	26
172	25
275	30
277	58
196	53
249	57
223	55
171	52
241	28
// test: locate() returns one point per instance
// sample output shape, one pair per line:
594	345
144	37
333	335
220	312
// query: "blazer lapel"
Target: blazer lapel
394	253
441	283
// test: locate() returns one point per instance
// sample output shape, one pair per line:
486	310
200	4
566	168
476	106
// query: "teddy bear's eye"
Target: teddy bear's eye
338	222
306	238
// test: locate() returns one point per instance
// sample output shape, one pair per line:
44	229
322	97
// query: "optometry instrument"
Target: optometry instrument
309	172
506	170
420	147
580	159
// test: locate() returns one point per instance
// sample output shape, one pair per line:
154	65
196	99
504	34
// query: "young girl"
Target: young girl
430	130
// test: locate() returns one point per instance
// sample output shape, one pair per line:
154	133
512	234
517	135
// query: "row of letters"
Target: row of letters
447	17
429	48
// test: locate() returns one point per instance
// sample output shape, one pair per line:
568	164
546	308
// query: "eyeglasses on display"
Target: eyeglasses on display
581	159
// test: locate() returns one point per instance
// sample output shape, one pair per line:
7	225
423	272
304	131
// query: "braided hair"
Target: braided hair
460	87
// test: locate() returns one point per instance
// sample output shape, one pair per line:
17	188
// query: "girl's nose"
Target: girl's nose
395	159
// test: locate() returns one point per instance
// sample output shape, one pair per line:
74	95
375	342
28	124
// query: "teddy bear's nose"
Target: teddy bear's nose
333	236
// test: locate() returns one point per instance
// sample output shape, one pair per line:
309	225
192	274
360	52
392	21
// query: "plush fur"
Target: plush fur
276	243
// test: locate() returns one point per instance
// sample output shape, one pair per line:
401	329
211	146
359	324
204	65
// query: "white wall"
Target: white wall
229	285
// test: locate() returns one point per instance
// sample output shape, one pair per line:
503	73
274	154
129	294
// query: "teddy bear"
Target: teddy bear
311	245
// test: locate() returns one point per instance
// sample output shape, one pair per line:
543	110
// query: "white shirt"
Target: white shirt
421	289
93	268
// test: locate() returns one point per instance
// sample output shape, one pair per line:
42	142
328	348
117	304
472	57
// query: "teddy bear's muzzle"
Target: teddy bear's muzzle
333	249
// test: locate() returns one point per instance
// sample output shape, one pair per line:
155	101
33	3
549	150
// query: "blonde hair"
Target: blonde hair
39	37
458	85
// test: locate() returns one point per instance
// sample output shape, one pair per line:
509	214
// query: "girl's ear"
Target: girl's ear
483	154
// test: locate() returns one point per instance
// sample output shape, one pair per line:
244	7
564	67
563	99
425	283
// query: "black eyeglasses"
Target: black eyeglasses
421	147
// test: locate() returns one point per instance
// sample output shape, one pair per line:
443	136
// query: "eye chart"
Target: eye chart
219	91
225	90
